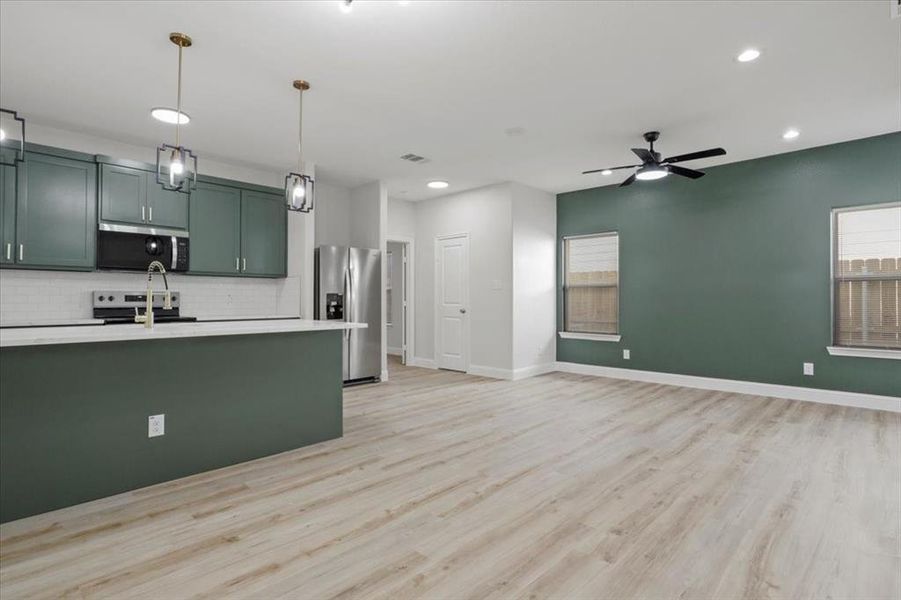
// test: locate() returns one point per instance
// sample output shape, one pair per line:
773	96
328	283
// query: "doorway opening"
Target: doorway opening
399	299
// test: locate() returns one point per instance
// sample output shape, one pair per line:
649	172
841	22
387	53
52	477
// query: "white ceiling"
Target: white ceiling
579	81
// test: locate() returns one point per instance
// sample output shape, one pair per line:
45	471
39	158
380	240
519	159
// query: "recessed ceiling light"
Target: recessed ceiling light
437	185
169	115
790	134
749	55
606	172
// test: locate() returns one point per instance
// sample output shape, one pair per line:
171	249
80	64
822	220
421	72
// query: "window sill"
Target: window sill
864	352
597	337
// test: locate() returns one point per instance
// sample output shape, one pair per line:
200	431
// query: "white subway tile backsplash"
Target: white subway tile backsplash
45	295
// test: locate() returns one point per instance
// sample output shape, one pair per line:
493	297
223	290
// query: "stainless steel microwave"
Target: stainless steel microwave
131	248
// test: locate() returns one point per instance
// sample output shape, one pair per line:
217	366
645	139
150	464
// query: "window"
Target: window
866	276
591	284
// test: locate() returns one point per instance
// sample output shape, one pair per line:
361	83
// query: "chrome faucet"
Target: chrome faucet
147	317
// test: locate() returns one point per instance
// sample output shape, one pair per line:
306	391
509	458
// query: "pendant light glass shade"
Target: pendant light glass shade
299	192
12	138
299	187
176	165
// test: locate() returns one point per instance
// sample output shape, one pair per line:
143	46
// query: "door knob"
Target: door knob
462	311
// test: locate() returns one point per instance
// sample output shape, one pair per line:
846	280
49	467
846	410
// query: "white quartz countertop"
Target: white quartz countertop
50	322
40	336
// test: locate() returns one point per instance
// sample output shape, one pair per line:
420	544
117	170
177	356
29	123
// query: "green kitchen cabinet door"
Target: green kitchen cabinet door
264	228
215	244
56	213
166	208
123	195
7	214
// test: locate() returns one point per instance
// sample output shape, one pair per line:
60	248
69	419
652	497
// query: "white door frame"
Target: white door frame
409	325
435	306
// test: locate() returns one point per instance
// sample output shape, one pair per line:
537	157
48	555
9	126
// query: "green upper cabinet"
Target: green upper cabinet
264	223
215	230
237	231
130	195
7	214
166	208
123	194
56	212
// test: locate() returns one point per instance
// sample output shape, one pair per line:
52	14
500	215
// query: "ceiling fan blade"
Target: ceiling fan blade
645	155
684	172
696	155
628	181
609	169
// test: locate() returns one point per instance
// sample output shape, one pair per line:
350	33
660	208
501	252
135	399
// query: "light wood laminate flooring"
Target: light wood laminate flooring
560	486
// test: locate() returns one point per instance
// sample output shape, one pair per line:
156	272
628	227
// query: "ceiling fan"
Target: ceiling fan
652	167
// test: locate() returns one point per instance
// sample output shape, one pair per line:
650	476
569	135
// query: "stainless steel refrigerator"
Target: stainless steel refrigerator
348	288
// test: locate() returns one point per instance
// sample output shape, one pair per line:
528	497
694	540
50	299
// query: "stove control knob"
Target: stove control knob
101	298
175	298
111	298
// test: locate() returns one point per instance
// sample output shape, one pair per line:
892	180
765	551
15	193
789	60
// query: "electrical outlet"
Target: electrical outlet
808	368
156	425
627	354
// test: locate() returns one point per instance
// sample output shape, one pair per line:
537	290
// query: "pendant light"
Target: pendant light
12	138
176	166
298	186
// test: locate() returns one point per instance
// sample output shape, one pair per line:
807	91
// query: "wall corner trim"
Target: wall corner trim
852	399
533	370
492	372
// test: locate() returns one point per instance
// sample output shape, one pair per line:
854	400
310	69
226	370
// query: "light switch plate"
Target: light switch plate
808	368
156	425
627	354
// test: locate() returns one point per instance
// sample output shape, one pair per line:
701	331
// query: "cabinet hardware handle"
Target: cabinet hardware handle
244	260
237	264
150	210
143	214
21	251
9	250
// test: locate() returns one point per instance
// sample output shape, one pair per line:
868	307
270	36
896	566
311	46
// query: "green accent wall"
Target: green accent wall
728	276
73	417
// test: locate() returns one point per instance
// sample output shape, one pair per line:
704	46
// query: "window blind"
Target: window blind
867	277
591	283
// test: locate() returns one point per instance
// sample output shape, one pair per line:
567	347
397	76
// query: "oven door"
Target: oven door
131	248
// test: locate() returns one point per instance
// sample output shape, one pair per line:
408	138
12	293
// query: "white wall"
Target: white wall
512	230
27	295
332	215
401	219
534	273
485	214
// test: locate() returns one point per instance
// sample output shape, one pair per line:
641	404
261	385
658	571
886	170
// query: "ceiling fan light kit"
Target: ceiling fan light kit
652	167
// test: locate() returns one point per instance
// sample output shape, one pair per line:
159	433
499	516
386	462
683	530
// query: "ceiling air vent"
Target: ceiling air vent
414	158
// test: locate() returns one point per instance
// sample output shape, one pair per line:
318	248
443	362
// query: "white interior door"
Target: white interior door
452	302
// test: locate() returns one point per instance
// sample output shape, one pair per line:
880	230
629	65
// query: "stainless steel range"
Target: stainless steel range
116	306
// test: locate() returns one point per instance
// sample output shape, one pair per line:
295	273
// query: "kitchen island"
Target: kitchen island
75	403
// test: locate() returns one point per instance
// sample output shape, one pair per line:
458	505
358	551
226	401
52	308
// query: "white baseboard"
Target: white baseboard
854	399
425	363
395	351
534	370
384	376
492	372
